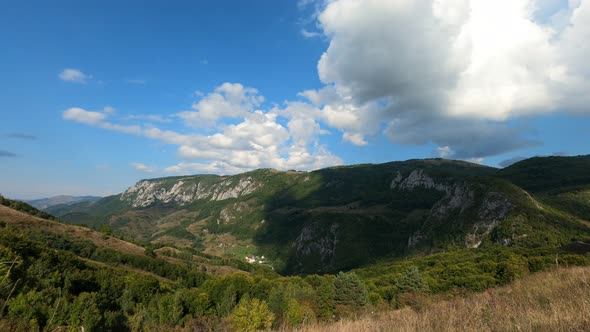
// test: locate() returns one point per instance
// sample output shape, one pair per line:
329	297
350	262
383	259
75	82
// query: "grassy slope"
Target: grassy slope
546	301
28	223
25	221
560	182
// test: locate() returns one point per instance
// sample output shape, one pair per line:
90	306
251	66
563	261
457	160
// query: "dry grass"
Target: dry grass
551	301
24	220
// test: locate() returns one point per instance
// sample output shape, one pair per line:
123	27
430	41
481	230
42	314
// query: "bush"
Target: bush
298	313
412	281
251	315
512	268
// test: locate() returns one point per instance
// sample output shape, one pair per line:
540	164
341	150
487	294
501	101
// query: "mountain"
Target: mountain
45	203
412	234
563	183
345	217
85	242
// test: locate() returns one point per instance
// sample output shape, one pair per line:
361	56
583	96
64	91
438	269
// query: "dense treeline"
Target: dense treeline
42	288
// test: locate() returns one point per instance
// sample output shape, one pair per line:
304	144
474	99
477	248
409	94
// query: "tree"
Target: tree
298	313
251	315
350	290
30	307
412	281
326	293
84	312
170	308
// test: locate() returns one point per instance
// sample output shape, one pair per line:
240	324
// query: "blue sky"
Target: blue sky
96	95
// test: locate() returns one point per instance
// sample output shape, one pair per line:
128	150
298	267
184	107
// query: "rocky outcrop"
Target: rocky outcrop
458	197
315	242
184	191
417	178
459	200
492	211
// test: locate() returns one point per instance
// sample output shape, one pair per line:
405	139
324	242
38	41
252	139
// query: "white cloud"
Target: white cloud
444	152
444	72
212	167
74	75
230	100
84	116
109	109
143	168
356	139
98	119
418	67
257	140
310	34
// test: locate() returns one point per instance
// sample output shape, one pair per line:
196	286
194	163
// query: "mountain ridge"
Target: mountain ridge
44	203
341	217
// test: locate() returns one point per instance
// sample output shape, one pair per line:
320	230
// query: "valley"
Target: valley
345	217
345	248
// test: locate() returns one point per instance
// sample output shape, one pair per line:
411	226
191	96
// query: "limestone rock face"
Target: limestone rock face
184	191
459	202
316	242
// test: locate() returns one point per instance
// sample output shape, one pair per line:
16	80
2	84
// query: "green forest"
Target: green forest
43	288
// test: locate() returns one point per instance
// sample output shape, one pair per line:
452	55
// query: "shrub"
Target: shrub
412	281
251	315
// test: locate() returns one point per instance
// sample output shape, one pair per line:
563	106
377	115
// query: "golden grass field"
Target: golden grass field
558	300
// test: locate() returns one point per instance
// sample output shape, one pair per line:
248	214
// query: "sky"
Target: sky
95	95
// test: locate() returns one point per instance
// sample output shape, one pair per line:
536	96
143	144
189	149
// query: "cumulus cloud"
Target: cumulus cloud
109	109
229	100
143	168
95	118
356	139
81	115
452	73
310	34
258	138
460	138
74	76
440	71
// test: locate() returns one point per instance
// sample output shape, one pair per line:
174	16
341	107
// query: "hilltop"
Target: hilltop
45	203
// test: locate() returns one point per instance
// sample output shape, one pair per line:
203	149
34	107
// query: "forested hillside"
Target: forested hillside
345	217
52	280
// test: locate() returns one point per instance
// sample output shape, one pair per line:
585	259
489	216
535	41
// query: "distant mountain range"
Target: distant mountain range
344	217
45	203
